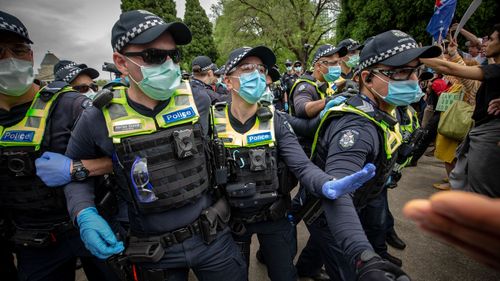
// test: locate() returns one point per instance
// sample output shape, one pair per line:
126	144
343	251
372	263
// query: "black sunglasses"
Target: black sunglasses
83	88
156	56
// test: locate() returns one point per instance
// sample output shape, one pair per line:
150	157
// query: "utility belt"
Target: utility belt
277	210
42	237
151	249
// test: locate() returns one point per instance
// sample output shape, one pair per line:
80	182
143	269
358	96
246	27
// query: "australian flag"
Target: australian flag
440	22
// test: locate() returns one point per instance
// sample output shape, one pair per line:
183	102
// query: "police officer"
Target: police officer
155	132
220	87
260	145
32	121
364	129
203	79
351	60
307	95
297	69
79	76
307	99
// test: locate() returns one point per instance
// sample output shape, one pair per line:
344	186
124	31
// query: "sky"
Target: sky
78	30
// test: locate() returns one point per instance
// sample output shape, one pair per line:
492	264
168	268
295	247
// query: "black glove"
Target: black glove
371	267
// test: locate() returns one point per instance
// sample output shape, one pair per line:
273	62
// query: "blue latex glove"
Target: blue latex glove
286	106
335	188
53	169
96	234
334	102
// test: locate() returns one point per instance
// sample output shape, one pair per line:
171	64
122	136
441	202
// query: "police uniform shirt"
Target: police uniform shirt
90	140
352	142
66	110
200	88
289	150
302	94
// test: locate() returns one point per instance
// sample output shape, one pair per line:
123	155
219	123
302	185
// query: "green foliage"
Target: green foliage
203	42
162	8
360	19
282	25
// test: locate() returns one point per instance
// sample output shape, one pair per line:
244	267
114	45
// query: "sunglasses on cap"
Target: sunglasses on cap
156	56
83	88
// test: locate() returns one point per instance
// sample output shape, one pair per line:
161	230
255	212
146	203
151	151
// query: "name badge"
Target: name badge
179	115
127	127
18	136
260	137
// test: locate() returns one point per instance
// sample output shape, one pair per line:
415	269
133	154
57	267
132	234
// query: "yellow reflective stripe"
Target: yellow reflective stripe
392	139
262	133
123	121
180	110
30	130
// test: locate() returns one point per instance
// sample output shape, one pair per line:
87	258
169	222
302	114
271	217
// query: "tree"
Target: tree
360	19
203	42
162	8
284	26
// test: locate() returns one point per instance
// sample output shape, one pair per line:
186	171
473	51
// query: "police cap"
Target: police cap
142	27
67	71
236	56
394	48
11	24
328	50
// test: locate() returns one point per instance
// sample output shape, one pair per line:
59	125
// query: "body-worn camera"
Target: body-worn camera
257	159
184	145
19	163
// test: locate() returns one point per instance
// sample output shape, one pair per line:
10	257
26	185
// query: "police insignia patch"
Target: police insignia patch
348	138
301	88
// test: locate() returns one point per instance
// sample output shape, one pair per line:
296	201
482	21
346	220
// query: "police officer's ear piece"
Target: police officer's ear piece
369	77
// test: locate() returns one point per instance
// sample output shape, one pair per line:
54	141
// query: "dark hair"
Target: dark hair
496	27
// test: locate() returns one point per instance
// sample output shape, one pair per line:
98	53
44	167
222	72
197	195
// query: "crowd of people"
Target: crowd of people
162	171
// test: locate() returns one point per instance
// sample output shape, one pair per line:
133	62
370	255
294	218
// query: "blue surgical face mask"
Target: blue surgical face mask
333	73
252	86
353	61
159	82
298	69
288	68
267	96
402	93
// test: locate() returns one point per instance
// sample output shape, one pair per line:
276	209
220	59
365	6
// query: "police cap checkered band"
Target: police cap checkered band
208	67
328	50
394	48
73	72
325	50
142	27
68	66
262	52
135	31
350	44
237	55
387	54
12	24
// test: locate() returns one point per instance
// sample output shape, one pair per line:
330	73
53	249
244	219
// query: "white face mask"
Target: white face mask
16	76
90	94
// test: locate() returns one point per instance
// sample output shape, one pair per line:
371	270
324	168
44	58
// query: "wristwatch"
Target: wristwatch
79	172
